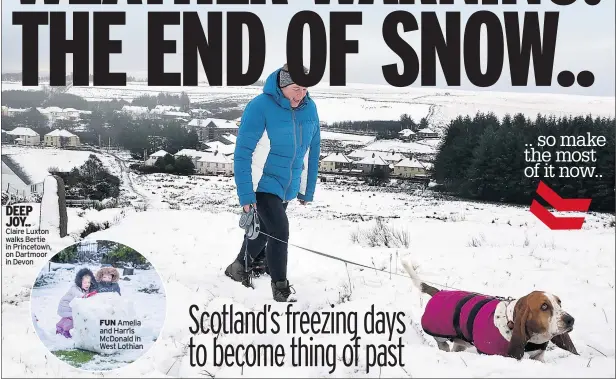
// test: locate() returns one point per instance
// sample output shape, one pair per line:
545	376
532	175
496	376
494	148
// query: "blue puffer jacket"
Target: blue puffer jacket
278	147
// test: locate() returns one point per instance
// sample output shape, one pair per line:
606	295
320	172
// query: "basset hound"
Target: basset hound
495	326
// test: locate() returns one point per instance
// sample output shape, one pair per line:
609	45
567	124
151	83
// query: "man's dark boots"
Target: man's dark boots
237	272
282	291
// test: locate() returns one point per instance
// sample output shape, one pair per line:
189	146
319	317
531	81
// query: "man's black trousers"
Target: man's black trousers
273	221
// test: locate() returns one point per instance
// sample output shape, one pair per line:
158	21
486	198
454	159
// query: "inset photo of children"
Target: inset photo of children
98	305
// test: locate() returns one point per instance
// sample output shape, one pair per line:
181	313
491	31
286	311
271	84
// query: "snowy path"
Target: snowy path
127	179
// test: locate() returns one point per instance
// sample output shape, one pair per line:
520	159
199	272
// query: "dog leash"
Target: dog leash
253	231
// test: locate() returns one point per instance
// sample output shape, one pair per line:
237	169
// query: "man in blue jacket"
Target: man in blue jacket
276	160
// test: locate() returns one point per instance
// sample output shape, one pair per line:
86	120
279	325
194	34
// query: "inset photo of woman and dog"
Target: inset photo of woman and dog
98	305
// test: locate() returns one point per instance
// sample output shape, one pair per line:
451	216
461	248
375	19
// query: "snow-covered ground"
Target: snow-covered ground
143	290
348	138
377	102
426	146
190	234
501	250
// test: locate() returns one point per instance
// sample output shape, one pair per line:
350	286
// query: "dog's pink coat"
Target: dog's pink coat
438	321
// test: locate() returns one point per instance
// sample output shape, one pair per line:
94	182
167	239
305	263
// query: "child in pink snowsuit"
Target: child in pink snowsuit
84	286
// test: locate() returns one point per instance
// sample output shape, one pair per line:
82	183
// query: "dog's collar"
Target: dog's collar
510	323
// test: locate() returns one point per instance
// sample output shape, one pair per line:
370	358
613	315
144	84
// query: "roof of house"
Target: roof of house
159	108
406	132
159	153
374	159
199	110
408	162
215	122
60	133
360	153
21	131
191	153
337	158
392	156
230	138
215	157
176	114
134	108
426	131
8	109
217	145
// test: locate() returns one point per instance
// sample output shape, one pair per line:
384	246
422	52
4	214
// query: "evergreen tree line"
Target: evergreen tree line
483	158
151	102
33	99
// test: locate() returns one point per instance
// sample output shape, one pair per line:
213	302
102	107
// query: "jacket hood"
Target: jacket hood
272	89
85	272
115	275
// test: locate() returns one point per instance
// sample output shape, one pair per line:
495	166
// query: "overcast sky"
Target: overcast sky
585	39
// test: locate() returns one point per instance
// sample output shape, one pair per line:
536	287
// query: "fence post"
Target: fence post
54	205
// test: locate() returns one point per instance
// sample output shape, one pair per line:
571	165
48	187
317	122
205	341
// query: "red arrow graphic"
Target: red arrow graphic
553	222
561	205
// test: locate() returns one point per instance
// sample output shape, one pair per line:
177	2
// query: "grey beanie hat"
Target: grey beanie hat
284	78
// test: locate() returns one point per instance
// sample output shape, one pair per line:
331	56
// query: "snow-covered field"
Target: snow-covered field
494	249
427	146
143	291
377	102
348	138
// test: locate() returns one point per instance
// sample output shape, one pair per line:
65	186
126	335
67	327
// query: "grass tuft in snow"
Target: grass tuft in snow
75	358
477	241
382	234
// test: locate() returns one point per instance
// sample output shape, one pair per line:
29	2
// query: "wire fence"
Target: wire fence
12	194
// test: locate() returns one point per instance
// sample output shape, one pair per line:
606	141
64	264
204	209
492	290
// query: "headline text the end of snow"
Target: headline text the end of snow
511	35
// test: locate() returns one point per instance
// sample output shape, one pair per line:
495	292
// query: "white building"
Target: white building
410	168
71	113
336	162
211	129
360	154
407	135
135	111
225	149
215	164
154	157
372	163
194	155
427	133
24	136
61	138
392	157
10	112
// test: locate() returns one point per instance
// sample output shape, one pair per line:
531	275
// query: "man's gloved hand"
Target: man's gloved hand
249	221
247	207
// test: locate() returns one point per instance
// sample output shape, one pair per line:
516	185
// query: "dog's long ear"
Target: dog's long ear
519	335
564	342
